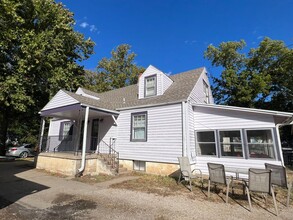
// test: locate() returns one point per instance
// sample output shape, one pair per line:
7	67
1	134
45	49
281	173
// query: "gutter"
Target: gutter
152	105
279	143
242	109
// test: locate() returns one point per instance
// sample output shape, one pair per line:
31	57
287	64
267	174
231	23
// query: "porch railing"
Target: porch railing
109	154
57	143
69	144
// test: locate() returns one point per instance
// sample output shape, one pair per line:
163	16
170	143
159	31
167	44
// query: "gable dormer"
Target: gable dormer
152	82
82	92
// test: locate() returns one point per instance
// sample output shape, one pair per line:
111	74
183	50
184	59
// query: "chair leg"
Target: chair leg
289	193
209	188
190	186
179	179
227	191
274	198
248	197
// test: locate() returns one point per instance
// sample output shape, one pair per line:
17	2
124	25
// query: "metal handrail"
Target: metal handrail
109	154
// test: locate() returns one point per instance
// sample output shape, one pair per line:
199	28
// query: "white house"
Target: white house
148	125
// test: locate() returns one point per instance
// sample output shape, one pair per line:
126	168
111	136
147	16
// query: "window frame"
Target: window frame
139	166
132	139
145	85
216	143
242	143
273	143
61	131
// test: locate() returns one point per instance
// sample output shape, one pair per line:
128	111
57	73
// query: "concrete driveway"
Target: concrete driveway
26	193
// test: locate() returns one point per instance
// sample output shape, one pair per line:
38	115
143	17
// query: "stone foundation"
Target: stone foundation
164	169
68	164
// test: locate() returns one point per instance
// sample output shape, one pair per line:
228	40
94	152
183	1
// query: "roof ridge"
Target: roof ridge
170	76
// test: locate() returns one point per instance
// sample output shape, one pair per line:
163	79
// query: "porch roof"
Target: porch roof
64	105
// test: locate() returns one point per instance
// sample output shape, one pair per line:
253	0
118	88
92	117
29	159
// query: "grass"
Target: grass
167	186
161	185
94	179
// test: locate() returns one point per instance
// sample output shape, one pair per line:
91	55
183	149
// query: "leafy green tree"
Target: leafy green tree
118	71
261	78
39	50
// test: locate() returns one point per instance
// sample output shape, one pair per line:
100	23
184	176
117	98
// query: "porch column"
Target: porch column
86	117
42	128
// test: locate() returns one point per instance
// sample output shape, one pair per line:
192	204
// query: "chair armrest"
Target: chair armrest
197	170
185	173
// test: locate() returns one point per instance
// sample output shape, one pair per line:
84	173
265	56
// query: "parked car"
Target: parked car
22	151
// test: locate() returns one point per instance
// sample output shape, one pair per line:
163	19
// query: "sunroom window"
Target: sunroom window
150	86
260	144
231	144
206	143
139	126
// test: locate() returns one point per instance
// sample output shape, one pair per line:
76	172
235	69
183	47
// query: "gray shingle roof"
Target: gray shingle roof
127	97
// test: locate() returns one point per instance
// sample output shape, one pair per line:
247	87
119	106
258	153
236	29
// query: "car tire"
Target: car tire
23	155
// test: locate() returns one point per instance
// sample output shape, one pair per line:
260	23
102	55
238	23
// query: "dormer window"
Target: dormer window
150	86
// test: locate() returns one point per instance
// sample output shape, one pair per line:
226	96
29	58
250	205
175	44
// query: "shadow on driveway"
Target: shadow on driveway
13	188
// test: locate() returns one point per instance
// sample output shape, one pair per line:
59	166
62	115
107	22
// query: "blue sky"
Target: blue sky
173	35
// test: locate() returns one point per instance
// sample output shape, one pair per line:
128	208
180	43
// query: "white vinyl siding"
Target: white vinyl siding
199	93
201	163
164	137
59	100
108	130
207	118
162	81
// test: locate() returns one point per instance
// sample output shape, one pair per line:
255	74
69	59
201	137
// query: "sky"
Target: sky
173	35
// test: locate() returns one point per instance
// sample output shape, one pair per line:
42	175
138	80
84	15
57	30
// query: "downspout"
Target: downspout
279	143
81	169
184	141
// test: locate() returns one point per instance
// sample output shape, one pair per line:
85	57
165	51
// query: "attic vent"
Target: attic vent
123	100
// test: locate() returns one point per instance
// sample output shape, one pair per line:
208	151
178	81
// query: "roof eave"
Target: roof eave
252	110
151	105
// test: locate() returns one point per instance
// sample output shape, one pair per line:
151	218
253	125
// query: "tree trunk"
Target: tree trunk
4	120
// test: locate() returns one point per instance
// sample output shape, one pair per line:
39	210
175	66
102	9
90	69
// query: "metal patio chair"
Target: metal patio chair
186	174
259	180
279	178
217	175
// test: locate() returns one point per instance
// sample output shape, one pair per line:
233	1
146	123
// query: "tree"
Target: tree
261	78
116	72
39	50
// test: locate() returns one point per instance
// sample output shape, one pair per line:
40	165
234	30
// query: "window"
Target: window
206	143
138	165
206	92
150	86
139	126
230	143
65	132
260	144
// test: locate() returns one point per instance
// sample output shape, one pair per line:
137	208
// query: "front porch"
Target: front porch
78	137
